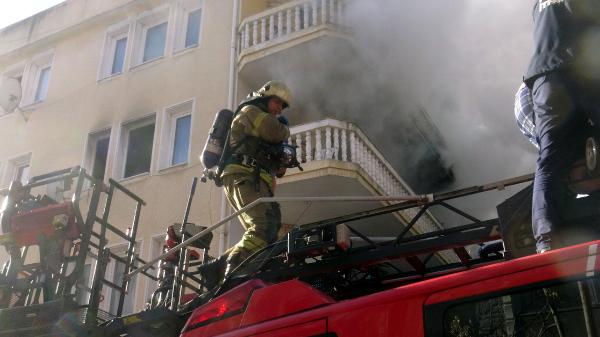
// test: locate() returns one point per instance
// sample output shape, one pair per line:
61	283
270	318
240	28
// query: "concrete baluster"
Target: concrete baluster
315	12
263	30
288	18
306	14
309	155
344	147
353	146
254	33
318	147
297	19
328	150
336	143
299	147
280	24
271	27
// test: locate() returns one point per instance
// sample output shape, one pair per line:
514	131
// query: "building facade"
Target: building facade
128	90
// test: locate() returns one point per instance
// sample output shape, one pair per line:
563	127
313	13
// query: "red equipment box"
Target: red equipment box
27	227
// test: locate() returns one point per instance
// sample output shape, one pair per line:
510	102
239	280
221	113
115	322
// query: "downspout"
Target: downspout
231	105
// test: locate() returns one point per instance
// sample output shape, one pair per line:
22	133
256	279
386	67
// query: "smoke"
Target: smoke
460	61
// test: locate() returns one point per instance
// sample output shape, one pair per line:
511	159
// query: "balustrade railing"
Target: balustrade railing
331	139
288	19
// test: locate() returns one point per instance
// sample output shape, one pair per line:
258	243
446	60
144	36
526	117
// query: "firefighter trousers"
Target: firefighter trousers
560	117
261	222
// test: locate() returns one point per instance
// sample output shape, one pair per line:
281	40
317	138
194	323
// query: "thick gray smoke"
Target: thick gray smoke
460	61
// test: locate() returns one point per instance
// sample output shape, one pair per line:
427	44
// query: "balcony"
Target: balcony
297	29
339	160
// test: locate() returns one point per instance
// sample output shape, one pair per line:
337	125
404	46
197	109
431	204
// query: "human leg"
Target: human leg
262	222
556	120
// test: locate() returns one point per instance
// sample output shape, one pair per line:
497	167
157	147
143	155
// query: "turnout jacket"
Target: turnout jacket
566	35
251	126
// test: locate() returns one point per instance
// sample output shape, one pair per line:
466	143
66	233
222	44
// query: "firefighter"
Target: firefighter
257	130
563	78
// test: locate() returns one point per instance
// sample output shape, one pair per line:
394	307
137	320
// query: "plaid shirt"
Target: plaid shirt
524	113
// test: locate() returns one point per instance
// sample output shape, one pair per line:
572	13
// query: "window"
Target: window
154	46
188	24
176	135
151	35
543	310
115	50
119	56
156	249
192	32
115	272
136	147
22	173
84	294
97	153
36	89
181	143
42	85
18	169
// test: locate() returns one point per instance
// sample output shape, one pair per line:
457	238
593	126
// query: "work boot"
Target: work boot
213	272
235	259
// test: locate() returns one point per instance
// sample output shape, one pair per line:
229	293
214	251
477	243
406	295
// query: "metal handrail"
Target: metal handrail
423	198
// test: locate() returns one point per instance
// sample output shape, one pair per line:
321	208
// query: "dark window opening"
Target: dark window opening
100	156
139	150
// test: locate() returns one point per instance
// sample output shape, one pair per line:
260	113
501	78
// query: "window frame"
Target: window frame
168	132
120	249
13	165
144	22
156	249
32	78
113	34
91	147
184	8
126	128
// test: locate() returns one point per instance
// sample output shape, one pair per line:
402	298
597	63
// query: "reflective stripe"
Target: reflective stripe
257	123
591	261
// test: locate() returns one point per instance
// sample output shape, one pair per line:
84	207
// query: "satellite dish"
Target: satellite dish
10	93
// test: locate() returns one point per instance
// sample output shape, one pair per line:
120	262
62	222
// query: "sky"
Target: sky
12	11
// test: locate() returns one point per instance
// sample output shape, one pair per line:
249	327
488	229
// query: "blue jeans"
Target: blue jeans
560	125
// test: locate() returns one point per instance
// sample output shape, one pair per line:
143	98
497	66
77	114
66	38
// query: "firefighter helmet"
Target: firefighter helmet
278	89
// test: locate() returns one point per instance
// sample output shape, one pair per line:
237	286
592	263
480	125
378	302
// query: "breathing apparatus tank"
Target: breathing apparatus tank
216	139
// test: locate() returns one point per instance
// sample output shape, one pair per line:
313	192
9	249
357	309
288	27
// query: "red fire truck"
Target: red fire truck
318	283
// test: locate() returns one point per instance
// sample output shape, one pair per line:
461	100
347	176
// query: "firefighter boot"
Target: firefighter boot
213	272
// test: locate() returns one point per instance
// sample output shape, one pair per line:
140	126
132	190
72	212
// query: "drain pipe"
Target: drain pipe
231	104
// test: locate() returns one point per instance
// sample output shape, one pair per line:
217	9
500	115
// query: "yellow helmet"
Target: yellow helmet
276	88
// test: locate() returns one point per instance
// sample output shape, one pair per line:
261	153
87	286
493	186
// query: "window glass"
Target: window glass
182	140
139	150
119	271
22	174
100	156
42	87
193	28
84	294
119	56
544	311
154	46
